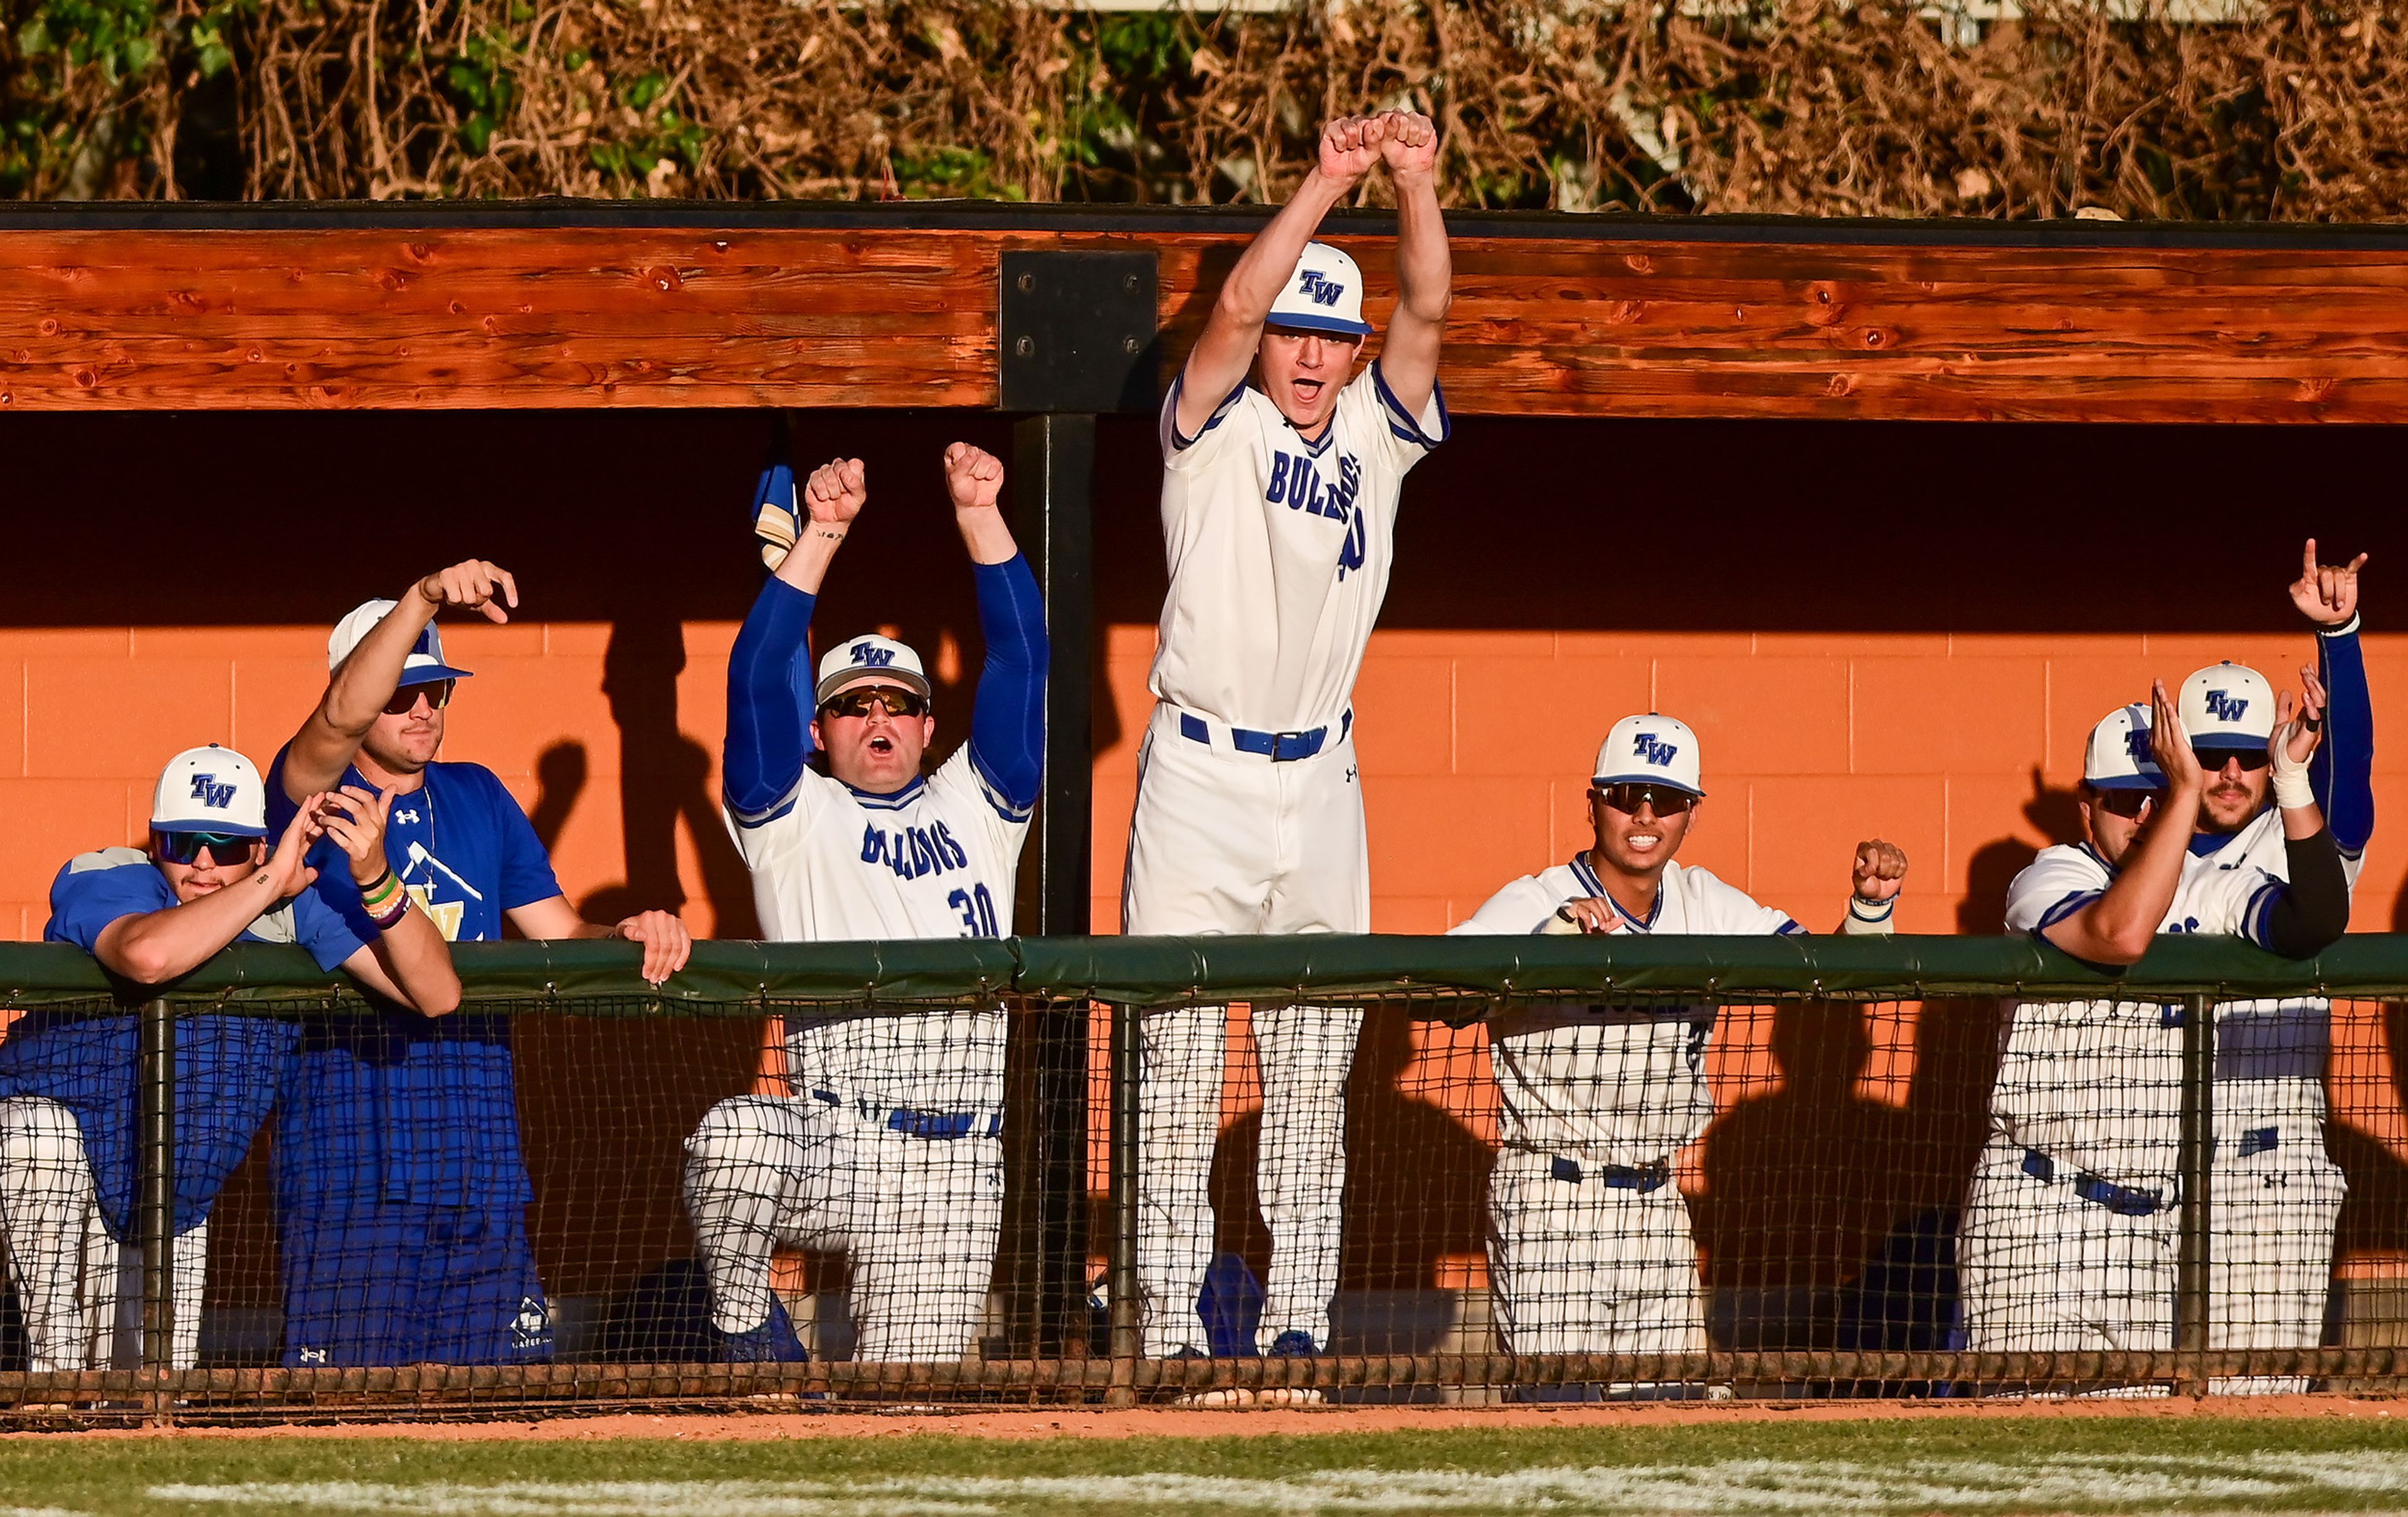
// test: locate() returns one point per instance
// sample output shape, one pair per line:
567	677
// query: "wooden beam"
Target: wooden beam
1615	322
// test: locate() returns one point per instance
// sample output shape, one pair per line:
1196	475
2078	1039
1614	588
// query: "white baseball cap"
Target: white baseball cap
2118	756
866	660
211	789
424	666
2228	705
1649	750
1324	295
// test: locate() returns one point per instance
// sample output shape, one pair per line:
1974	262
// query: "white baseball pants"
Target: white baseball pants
2043	1270
1225	842
1585	1267
2275	1204
79	1288
918	1218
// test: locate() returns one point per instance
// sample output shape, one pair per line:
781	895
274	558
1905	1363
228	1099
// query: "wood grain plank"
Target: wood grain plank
1613	325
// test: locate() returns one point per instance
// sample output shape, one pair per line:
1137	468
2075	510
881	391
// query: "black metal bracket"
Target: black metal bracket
1076	331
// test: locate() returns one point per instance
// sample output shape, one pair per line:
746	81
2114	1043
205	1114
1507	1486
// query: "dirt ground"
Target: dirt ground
1043	1423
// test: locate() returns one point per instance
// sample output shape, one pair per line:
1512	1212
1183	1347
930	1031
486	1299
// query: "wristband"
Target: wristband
392	916
1869	910
377	892
2342	631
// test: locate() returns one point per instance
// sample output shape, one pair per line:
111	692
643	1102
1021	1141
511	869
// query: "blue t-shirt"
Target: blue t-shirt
401	1107
226	1067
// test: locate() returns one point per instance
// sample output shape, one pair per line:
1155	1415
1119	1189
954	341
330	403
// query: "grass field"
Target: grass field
1775	1465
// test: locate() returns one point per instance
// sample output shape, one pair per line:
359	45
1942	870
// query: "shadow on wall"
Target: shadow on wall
1416	1179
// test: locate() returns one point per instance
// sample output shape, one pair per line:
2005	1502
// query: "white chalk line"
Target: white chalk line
2102	1482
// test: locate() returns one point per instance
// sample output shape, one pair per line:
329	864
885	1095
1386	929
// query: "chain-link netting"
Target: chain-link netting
1248	1172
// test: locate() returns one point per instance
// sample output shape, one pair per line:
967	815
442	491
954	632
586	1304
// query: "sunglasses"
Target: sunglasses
2211	759
2129	804
225	849
1629	795
438	694
860	698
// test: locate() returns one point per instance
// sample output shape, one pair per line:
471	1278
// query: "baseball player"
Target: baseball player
2068	1237
1279	505
68	1123
1590	1245
890	1146
400	1190
2276	1195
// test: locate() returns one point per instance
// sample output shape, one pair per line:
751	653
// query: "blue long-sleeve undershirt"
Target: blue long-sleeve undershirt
2343	771
769	736
769	695
1007	720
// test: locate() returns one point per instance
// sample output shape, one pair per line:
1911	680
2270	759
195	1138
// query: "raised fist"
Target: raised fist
835	491
973	476
1410	145
1880	870
1351	144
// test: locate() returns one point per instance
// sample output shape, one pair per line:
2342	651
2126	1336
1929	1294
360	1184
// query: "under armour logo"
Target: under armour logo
1654	750
206	790
409	816
875	658
313	1356
2221	706
1318	288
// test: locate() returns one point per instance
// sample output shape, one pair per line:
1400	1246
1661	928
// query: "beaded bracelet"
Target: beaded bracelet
392	917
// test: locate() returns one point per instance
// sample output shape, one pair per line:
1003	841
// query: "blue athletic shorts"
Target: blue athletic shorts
389	1284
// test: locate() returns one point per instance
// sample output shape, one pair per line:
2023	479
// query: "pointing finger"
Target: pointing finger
2308	560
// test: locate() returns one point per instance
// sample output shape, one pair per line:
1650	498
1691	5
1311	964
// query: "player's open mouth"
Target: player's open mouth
1642	841
881	745
1309	389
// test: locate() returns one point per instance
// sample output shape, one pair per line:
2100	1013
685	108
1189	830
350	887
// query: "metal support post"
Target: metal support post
157	1197
2197	1141
1054	467
1126	1339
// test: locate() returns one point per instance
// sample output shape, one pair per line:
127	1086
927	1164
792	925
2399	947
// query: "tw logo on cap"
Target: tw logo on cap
2224	707
871	656
1650	748
1318	287
2136	742
209	792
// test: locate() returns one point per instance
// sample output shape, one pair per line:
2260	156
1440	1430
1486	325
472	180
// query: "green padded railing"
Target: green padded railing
746	976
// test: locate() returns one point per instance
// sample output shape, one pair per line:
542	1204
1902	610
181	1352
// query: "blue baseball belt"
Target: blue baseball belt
1277	747
1642	1178
913	1123
2122	1200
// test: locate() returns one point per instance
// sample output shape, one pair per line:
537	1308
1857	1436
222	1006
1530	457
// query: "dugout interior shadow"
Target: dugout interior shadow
636	521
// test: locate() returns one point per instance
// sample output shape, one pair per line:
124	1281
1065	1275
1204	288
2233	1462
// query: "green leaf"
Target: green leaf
215	59
478	131
34	38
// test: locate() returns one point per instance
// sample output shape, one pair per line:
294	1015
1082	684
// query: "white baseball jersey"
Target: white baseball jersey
936	859
1619	1085
1280	550
2098	1084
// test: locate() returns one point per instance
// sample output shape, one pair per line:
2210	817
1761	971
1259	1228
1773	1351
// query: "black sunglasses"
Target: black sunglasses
2211	759
2126	803
438	694
860	698
225	849
1630	794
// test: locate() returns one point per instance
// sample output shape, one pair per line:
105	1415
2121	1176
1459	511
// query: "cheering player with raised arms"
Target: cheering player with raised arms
400	1188
890	1146
1279	505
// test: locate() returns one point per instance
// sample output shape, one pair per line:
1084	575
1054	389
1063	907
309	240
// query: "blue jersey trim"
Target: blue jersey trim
2066	907
1180	441
1404	423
